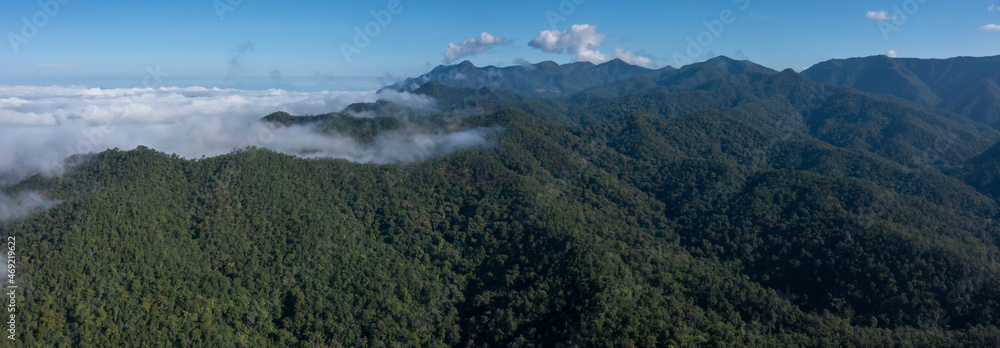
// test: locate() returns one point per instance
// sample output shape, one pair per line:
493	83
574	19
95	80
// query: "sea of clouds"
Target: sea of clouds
42	126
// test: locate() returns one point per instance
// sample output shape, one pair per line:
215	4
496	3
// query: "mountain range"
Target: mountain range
545	79
965	85
719	204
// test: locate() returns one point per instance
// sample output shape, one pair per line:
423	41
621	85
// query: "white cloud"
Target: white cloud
992	8
581	40
880	16
584	43
41	126
415	101
24	203
549	41
472	47
990	27
892	54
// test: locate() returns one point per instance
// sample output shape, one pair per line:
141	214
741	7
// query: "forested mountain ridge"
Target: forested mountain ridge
545	79
719	204
896	129
983	172
965	85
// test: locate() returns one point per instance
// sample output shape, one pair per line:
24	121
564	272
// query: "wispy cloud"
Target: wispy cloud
412	100
990	27
880	16
277	75
892	54
238	55
634	58
584	43
524	63
12	207
471	47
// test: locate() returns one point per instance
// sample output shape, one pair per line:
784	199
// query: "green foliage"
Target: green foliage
965	85
717	205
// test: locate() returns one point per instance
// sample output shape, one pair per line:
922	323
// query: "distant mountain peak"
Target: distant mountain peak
466	65
723	59
615	62
548	64
723	65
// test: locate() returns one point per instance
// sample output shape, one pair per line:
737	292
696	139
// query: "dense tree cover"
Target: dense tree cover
722	205
966	85
982	172
786	102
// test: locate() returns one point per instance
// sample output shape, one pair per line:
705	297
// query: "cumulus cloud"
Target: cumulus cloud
990	27
471	47
41	126
880	16
892	54
581	41
584	43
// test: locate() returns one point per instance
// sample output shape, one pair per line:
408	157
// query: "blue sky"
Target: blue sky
299	45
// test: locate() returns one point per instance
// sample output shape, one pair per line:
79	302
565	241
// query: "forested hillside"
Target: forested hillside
965	85
721	204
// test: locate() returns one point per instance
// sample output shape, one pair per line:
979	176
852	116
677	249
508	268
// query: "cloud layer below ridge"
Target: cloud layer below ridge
41	126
